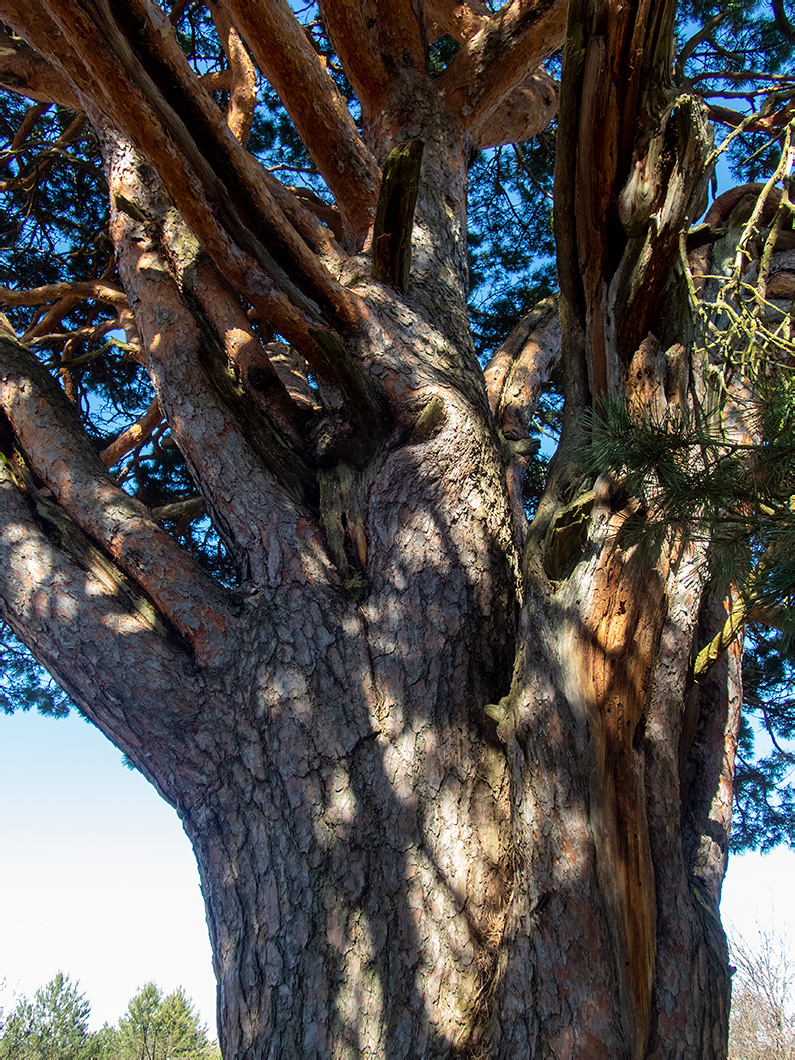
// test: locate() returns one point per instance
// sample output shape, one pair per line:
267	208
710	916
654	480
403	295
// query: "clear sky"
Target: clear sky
98	879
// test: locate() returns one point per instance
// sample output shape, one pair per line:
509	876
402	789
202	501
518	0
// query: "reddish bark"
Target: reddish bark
449	790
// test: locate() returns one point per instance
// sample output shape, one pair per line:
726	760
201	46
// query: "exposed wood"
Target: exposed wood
394	218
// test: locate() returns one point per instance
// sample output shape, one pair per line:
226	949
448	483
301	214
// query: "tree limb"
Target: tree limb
519	370
243	76
317	109
381	47
527	111
225	195
133	437
79	291
61	598
461	19
498	59
58	451
24	72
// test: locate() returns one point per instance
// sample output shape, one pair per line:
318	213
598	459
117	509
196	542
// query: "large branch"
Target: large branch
252	482
315	105
23	71
246	220
59	452
461	19
83	623
499	58
527	111
242	75
381	47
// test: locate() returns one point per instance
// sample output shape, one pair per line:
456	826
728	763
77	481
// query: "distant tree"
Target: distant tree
762	1023
158	1028
54	1026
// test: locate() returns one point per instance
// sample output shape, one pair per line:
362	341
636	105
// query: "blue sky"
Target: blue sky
99	880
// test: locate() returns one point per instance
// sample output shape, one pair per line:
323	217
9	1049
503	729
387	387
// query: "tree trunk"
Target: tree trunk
450	786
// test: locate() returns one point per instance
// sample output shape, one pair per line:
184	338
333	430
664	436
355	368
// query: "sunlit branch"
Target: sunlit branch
27	74
461	19
59	592
224	194
500	57
223	438
347	24
315	105
242	85
80	290
134	436
46	427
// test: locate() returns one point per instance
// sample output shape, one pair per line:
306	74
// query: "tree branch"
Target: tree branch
24	72
80	290
243	76
58	451
519	370
133	437
317	109
381	47
231	202
82	621
527	111
461	19
498	59
250	479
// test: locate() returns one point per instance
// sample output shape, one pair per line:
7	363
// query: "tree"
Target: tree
762	1018
453	784
160	1028
54	1026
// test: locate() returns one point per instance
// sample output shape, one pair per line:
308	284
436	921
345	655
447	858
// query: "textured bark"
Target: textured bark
451	788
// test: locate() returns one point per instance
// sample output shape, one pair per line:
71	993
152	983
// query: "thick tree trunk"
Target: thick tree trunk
451	788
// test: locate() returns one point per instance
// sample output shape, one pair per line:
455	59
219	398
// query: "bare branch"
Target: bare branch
24	72
461	19
61	455
519	370
527	111
75	292
243	76
315	106
381	47
133	437
250	479
499	58
224	194
59	594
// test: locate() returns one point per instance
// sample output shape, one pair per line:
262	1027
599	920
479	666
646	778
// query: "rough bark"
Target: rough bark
451	789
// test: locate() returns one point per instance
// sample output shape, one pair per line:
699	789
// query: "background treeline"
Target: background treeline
54	1026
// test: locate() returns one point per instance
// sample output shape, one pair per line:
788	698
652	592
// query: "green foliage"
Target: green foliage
54	1026
160	1028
